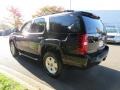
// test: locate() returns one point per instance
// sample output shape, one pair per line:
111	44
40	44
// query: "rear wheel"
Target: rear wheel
13	49
52	64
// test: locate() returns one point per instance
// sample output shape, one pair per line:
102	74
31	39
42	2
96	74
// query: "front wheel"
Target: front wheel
52	64
13	49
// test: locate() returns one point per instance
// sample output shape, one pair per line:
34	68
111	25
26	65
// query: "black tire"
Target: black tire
57	61
15	52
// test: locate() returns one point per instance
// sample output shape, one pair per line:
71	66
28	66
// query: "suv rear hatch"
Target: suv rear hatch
86	35
95	33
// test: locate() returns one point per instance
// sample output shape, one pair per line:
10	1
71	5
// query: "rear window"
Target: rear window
93	25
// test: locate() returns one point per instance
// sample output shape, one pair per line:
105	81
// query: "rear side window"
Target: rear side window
93	25
64	24
38	25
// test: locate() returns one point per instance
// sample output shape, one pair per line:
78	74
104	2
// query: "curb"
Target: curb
24	80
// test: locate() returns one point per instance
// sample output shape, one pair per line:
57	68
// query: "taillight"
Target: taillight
82	46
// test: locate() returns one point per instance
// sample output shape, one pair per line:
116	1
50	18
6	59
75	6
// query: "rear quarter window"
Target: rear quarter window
64	24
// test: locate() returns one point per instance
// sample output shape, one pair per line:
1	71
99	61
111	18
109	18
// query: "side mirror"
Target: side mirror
16	30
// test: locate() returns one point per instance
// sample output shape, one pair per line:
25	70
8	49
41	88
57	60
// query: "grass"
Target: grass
8	84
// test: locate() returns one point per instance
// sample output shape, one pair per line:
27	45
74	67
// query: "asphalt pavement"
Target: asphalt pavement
105	76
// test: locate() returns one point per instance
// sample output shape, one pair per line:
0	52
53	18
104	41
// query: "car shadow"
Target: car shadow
96	78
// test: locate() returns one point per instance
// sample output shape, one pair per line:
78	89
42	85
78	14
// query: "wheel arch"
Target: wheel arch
51	48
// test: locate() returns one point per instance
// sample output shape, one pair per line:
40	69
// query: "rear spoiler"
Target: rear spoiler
90	15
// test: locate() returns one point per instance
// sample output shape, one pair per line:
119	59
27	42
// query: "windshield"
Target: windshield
93	25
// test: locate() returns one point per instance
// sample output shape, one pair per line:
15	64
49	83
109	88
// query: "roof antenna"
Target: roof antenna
70	4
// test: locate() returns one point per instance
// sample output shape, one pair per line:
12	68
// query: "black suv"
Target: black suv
68	38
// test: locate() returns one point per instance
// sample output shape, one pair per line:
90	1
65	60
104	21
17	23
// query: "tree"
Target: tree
48	10
16	16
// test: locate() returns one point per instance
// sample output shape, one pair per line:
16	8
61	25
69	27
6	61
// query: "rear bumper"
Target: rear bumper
98	57
88	60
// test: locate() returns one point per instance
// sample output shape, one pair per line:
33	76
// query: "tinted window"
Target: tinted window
93	25
26	27
38	25
65	23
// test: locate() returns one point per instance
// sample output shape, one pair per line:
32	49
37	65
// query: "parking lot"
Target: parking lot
105	76
113	59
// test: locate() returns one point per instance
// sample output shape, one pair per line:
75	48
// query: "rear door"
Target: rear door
96	33
36	35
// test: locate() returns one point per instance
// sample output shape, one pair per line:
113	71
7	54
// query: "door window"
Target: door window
38	26
26	27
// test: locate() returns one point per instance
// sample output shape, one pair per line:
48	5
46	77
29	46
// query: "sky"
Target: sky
29	7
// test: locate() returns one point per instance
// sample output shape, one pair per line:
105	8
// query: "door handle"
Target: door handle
40	37
20	36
